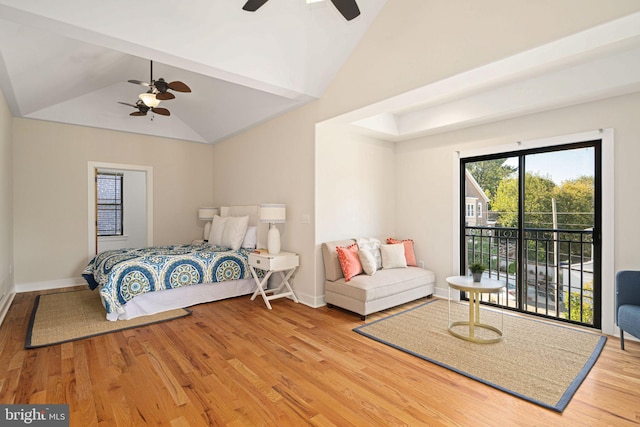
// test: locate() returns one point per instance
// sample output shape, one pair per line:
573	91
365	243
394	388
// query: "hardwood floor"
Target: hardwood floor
236	363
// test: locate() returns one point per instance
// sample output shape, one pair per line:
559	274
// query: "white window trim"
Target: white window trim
91	196
608	325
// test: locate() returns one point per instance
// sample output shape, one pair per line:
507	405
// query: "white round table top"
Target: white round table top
466	283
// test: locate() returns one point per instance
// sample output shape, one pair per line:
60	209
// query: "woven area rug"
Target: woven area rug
69	316
537	361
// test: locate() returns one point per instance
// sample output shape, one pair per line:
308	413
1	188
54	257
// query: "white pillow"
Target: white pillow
251	238
393	256
234	231
217	228
368	262
372	245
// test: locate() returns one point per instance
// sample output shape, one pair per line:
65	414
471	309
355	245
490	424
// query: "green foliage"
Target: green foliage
574	202
586	304
477	267
489	174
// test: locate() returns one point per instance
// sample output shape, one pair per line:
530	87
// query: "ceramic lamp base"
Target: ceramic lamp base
273	240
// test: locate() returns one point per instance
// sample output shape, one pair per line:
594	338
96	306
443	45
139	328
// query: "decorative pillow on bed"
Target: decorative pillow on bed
349	261
217	228
409	252
251	238
393	256
234	230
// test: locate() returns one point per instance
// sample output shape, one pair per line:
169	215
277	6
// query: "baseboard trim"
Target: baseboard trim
4	309
49	284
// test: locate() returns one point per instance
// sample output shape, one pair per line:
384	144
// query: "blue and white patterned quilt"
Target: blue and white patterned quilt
126	273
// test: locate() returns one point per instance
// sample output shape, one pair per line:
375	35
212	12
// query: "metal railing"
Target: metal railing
556	276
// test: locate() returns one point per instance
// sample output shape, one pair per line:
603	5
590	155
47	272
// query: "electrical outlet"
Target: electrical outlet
421	264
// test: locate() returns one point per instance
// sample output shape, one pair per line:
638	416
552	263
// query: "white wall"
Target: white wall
134	213
430	160
6	207
51	193
412	43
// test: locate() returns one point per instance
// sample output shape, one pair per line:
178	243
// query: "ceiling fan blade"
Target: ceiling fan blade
348	8
138	113
161	111
178	86
138	82
253	5
164	96
126	103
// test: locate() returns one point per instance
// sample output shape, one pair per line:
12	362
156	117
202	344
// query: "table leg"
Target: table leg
472	303
261	285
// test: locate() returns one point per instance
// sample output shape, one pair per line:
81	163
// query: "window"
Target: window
479	209
470	210
109	203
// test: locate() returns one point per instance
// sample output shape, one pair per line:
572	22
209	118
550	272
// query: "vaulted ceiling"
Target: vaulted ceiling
69	61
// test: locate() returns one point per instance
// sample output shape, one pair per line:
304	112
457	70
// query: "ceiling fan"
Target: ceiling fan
348	8
143	109
160	88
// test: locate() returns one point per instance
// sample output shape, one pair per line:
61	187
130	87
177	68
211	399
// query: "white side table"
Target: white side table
284	263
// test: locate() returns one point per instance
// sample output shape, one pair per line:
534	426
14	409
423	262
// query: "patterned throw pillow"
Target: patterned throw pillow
372	245
409	252
349	261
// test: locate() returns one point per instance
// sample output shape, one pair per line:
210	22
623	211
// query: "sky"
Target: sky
560	165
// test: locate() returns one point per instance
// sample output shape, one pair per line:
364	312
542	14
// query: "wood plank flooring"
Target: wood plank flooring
235	363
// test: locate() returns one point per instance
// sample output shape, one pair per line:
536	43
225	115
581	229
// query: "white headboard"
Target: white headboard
253	211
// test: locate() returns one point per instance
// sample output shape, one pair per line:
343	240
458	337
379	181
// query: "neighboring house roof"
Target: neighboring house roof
475	184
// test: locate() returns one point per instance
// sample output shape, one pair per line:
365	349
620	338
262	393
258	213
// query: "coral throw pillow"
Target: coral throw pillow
409	253
349	261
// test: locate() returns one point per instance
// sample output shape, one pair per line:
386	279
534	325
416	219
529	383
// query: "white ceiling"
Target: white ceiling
69	60
597	63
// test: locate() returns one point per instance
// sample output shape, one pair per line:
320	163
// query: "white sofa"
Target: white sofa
365	294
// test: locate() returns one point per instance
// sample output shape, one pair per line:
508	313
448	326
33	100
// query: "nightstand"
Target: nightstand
284	263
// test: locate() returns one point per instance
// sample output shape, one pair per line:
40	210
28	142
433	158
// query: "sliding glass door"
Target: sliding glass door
533	219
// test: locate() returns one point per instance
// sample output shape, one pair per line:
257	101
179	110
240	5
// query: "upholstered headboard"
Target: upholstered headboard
253	211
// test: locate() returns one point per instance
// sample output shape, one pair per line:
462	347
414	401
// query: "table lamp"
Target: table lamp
273	214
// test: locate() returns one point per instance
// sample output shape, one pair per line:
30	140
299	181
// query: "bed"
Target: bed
141	281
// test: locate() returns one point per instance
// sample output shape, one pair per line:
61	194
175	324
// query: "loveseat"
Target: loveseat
365	294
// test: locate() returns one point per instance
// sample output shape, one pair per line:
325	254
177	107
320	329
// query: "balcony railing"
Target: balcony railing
557	280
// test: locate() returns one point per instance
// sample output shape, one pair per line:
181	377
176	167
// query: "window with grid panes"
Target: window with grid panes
109	201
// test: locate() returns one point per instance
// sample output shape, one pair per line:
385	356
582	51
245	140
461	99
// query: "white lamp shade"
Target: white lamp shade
207	214
273	213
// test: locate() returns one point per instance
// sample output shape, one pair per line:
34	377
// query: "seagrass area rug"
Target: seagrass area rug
538	361
69	316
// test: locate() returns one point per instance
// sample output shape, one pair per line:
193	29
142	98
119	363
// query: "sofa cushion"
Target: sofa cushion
393	256
349	261
332	269
369	264
384	283
409	252
373	246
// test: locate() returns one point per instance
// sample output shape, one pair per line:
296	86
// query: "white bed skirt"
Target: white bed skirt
157	302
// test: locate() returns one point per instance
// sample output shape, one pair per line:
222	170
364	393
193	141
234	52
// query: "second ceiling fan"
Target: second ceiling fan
158	91
348	8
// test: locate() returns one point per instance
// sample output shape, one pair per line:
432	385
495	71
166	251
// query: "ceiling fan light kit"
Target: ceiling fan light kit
149	99
158	91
